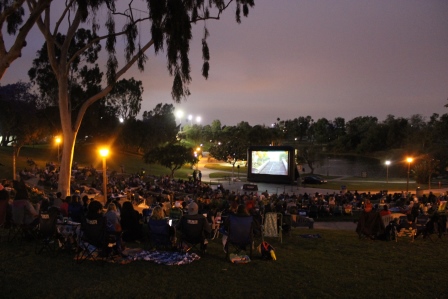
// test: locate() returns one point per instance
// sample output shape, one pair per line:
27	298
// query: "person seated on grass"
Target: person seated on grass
113	225
385	211
130	222
85	204
157	213
64	206
94	210
75	211
368	207
113	220
23	212
193	221
406	223
240	212
176	213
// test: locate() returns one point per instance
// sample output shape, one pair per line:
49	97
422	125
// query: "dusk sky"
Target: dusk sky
323	58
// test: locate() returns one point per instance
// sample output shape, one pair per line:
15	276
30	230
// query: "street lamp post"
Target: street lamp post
104	152
409	160
14	151
179	115
387	171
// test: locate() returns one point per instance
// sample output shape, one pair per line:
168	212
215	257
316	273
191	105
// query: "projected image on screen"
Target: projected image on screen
270	162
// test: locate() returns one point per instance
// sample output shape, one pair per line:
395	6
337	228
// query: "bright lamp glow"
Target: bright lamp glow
179	114
104	152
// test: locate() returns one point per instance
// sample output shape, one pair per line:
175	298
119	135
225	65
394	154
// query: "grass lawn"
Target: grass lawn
85	155
338	265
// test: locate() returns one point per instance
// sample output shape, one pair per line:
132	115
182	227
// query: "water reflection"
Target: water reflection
336	165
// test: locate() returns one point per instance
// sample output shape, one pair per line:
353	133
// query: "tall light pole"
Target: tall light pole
58	142
14	151
409	160
387	171
104	152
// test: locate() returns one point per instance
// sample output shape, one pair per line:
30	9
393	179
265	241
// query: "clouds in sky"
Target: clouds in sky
323	58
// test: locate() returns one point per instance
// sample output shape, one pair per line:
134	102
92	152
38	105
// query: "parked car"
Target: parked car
313	179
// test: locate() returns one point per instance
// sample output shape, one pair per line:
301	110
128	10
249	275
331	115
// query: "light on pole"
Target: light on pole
179	115
387	170
409	160
58	142
104	152
14	151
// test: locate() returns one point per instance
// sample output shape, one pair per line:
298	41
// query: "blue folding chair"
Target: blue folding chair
240	234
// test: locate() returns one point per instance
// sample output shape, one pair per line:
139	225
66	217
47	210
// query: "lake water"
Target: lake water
335	165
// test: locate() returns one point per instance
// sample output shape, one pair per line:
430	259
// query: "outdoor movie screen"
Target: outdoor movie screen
270	164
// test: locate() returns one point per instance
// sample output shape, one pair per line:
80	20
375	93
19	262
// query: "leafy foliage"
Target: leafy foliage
157	127
126	98
172	156
20	121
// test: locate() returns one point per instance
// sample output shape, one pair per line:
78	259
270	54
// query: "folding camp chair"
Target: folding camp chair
19	230
272	226
48	238
191	233
95	243
421	223
405	232
240	234
159	234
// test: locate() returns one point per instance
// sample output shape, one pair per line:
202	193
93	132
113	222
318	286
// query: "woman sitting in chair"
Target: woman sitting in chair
240	212
158	215
113	224
130	222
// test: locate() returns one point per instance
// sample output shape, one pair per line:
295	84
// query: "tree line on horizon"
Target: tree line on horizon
416	136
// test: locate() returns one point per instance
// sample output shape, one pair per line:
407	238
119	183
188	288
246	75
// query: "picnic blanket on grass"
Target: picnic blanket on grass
161	257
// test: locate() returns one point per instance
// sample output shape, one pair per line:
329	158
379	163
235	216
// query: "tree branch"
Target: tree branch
95	40
109	87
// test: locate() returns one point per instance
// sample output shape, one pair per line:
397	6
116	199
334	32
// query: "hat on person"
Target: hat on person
1	187
192	209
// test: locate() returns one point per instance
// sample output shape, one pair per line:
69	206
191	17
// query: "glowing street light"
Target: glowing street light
409	160
104	152
14	153
190	118
58	141
198	119
387	170
179	114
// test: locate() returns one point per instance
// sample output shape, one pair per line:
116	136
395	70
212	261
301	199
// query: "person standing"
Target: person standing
4	195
